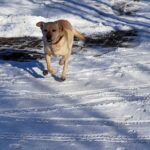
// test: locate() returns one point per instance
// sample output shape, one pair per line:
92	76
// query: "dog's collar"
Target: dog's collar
57	40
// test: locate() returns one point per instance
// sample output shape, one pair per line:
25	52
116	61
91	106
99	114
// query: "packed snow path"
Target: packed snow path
103	105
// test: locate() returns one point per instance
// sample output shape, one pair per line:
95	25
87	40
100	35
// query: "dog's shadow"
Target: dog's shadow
24	60
29	67
57	78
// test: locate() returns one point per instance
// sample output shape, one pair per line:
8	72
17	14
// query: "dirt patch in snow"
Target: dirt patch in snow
114	39
25	48
20	55
21	43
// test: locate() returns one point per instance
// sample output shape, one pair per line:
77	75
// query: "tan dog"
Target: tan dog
58	40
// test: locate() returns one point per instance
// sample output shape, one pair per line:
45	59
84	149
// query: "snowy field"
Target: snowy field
105	102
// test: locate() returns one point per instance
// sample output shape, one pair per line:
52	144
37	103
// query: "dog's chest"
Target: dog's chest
56	50
59	50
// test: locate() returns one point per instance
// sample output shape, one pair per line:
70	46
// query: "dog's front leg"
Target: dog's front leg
65	60
48	67
65	68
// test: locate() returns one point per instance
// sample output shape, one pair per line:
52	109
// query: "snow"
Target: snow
105	101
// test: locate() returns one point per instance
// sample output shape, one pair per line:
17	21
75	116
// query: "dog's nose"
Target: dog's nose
49	38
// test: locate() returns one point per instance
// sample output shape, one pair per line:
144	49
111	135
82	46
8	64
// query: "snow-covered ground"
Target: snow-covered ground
105	102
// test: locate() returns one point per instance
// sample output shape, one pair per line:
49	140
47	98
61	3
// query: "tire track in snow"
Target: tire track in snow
108	69
75	121
111	91
76	137
94	125
103	97
92	105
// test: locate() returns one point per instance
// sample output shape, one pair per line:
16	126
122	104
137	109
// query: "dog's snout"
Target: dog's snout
49	37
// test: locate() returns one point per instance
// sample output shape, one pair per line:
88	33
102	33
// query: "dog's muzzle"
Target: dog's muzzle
49	38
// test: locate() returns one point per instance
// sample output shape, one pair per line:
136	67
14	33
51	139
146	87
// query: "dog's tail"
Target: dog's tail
79	35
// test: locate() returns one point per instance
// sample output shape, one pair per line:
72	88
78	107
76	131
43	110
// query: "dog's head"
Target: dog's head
52	31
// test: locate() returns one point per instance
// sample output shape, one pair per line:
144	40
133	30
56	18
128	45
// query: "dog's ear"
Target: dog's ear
61	28
40	24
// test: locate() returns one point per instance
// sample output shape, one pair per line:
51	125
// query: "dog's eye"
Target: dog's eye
45	30
53	30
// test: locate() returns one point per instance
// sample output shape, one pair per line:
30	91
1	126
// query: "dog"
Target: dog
58	39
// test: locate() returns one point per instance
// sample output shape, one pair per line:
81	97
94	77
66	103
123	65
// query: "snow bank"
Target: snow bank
18	26
18	18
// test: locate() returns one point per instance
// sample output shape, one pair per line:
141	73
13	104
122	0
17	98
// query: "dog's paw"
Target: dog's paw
61	62
45	72
63	78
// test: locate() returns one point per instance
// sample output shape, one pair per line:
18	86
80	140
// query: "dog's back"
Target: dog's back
67	26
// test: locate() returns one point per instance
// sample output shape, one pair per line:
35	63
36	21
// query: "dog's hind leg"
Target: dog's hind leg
65	59
62	60
65	69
